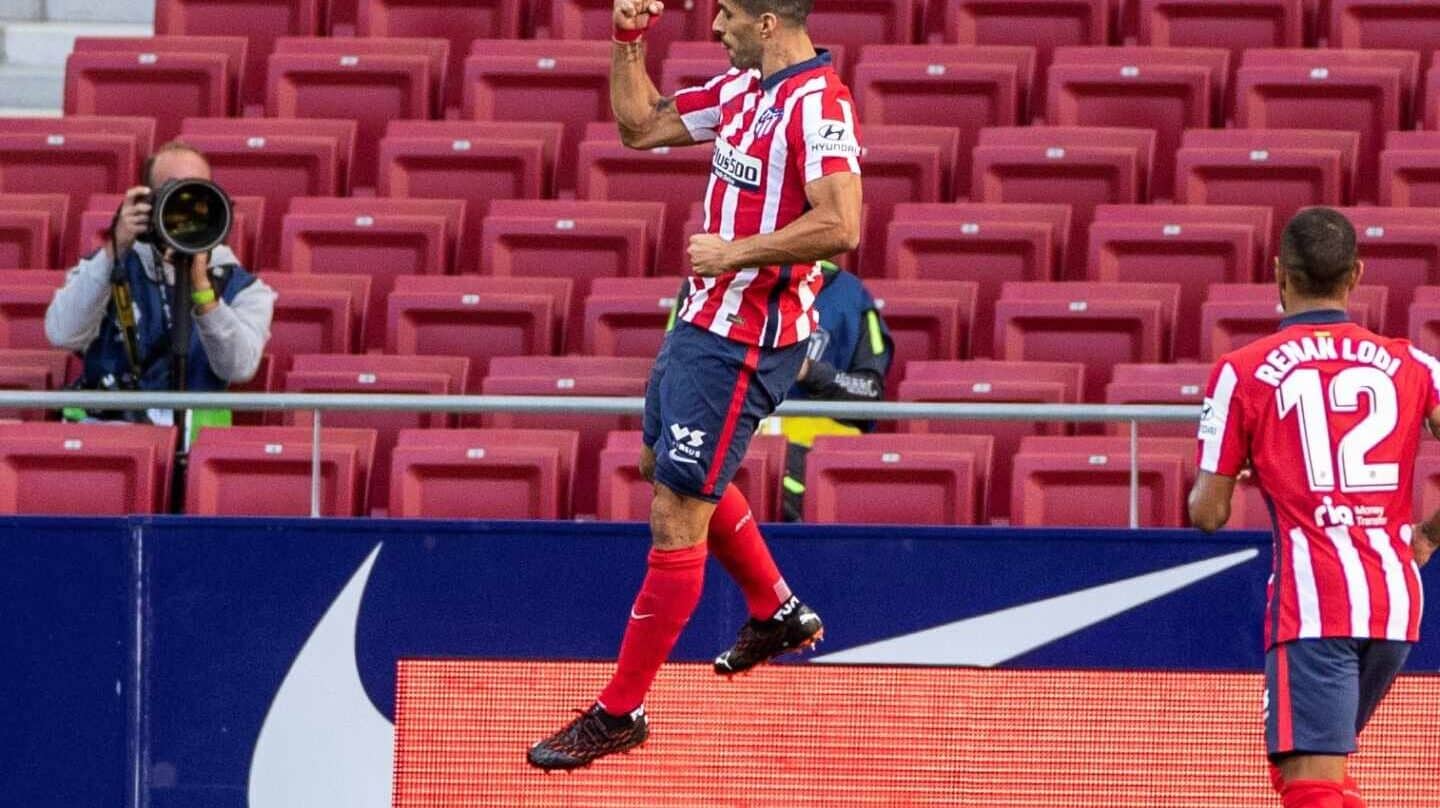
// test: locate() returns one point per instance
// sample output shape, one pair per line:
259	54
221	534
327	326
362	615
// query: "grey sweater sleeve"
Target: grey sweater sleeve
73	319
234	334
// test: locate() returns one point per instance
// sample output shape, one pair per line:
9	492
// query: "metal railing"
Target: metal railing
317	403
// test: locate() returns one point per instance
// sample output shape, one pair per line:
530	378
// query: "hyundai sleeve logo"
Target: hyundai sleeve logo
834	131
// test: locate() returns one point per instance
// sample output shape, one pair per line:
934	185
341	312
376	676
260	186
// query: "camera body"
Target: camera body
190	216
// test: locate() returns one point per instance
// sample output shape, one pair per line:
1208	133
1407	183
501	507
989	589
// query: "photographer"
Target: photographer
231	309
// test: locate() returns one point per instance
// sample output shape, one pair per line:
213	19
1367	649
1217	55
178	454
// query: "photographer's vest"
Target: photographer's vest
106	363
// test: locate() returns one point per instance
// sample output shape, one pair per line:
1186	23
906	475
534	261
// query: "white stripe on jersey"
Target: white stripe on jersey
1219	416
1431	363
803	323
1357	589
1397	626
851	161
730	303
1305	593
702	122
699	293
732	192
780	154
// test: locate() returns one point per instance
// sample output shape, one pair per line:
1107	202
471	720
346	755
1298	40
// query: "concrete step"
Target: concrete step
31	86
131	11
22	9
48	43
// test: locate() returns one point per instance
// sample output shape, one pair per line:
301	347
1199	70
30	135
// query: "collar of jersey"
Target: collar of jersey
822	59
1315	317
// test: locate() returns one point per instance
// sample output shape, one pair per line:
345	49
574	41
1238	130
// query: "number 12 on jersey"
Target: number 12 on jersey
1302	393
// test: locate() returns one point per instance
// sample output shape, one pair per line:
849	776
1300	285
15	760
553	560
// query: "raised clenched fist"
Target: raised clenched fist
634	15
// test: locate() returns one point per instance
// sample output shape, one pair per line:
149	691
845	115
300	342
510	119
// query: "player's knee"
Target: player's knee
676	521
647	463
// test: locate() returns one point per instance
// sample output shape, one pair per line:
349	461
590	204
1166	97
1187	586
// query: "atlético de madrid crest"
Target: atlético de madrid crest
767	121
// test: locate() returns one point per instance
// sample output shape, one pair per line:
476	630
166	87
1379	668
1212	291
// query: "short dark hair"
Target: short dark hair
148	169
796	11
1317	250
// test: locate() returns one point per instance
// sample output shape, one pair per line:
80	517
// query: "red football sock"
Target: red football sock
1353	797
736	542
661	610
1312	794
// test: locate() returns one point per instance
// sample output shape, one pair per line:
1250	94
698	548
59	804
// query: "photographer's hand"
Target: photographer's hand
132	222
200	286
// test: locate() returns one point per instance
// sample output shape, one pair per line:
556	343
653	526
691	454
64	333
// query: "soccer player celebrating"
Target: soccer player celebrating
784	193
1328	416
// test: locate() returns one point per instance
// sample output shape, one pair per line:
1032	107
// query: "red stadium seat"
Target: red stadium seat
1424	319
559	245
25	240
928	320
676	177
591	20
1085	482
265	380
54	210
1410	170
1235	24
1077	166
1401	248
343	131
1192	245
1235	315
477	317
317	314
1098	324
31	369
379	374
627	316
260	21
624	495
1390	24
381	247
1367	93
373	90
276	167
856	23
1167	90
435	50
964	96
899	479
75	165
1214	58
1427	478
986	244
468	166
949	57
1042	24
482	474
165	86
233	48
120	471
25	294
895	172
569	376
1284	169
576	91
1177	383
451	210
993	382
142	130
340	16
485	19
266	471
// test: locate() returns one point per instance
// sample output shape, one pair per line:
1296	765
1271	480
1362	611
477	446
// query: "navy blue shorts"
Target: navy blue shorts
705	397
1319	694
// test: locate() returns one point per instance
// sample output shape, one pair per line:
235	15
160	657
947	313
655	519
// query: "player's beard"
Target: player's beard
744	56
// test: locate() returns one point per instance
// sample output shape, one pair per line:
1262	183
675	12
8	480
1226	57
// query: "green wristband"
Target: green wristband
202	296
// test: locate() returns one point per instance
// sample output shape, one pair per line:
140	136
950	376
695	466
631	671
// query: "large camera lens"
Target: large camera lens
191	216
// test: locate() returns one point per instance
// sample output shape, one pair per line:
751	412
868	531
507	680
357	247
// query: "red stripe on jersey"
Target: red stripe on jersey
1282	700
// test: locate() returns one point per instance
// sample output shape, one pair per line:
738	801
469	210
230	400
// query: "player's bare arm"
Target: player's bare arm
646	119
831	227
1427	533
1210	501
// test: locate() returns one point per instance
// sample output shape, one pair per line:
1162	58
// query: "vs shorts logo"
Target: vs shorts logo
686	445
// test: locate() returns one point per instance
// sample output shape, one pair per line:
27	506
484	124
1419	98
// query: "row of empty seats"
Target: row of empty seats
533	474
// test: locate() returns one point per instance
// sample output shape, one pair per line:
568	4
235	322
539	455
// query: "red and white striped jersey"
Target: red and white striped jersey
772	137
1329	415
